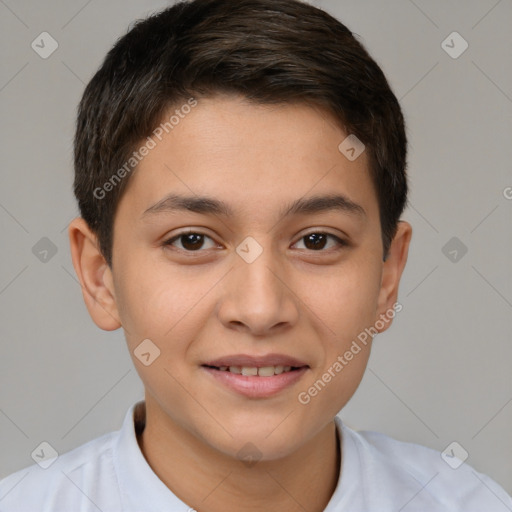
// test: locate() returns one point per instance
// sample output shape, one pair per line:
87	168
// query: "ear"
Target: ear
392	270
94	275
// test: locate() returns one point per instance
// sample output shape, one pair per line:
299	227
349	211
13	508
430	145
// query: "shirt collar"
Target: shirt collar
351	482
141	489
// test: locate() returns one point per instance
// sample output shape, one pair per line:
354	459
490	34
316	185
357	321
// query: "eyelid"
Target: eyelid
323	231
196	231
342	242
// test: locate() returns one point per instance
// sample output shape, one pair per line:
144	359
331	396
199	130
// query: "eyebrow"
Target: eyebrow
208	205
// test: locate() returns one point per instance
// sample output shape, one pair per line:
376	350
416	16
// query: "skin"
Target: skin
294	299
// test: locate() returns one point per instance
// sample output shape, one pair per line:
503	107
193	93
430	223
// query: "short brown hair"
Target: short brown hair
270	51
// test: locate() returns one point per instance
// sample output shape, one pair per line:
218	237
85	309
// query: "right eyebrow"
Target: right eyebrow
196	204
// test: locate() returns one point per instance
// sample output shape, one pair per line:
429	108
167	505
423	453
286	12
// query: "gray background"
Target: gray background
441	373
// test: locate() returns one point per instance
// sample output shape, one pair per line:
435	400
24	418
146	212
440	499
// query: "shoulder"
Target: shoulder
420	477
71	479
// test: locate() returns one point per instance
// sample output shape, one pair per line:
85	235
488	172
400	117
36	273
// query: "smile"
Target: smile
252	371
255	377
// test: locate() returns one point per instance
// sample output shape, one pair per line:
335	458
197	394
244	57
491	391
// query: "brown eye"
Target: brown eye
317	241
190	241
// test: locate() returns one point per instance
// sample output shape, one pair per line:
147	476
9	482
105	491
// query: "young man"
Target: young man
240	172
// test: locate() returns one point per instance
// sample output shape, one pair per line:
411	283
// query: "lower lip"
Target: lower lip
256	387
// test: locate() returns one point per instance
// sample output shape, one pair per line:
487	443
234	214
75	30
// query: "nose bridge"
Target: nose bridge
257	281
257	276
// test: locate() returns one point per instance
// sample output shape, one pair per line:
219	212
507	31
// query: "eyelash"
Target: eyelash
341	243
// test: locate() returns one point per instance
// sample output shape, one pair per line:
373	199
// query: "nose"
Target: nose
258	298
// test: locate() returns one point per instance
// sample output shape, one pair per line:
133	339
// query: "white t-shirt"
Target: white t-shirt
378	474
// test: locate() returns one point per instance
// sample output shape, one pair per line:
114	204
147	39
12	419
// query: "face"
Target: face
246	239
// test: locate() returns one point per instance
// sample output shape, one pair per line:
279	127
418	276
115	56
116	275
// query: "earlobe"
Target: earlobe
94	275
392	270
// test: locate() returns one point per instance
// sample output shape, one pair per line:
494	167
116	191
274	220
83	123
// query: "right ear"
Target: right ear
94	275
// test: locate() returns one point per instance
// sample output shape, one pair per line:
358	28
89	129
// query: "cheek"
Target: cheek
165	306
346	299
165	311
347	304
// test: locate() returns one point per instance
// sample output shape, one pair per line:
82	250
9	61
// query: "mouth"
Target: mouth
256	377
255	371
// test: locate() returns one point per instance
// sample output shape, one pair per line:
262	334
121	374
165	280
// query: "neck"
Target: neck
208	480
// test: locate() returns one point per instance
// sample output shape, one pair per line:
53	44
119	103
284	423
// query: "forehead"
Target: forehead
250	157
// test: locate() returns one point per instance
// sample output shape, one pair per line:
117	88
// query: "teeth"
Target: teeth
266	371
246	370
250	371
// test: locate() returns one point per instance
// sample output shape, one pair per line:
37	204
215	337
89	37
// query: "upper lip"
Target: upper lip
255	361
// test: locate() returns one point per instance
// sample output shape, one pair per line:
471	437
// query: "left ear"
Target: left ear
392	270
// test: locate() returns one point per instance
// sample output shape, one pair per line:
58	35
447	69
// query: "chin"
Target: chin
253	438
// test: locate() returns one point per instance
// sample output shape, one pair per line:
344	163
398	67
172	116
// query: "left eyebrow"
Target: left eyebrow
317	204
208	205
